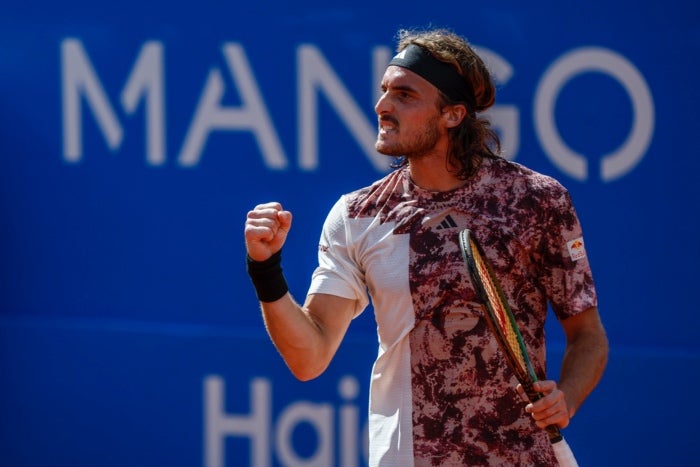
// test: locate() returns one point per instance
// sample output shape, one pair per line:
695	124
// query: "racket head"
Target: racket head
497	311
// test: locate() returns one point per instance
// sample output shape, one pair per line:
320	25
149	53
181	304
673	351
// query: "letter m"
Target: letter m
79	81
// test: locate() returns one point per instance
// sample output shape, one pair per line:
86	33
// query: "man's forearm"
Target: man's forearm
583	365
308	336
295	336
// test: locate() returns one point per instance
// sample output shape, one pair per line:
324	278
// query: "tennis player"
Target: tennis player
441	393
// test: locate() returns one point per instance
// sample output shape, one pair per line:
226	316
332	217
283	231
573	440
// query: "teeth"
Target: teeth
385	124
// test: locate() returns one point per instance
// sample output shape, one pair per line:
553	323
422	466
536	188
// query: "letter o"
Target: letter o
584	60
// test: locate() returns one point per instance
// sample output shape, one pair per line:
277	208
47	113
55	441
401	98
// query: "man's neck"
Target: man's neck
432	174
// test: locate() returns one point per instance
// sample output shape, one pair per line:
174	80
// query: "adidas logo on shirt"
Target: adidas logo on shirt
447	223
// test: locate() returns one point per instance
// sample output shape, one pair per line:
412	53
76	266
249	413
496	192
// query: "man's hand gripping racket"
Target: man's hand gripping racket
504	327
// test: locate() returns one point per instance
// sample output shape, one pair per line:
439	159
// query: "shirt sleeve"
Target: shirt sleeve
337	272
565	270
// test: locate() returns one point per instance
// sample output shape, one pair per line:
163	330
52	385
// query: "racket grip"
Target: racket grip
552	430
554	434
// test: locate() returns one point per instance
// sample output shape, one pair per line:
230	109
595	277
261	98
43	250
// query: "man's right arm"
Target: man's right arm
307	337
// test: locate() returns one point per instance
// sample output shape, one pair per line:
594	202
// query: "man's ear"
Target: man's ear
454	114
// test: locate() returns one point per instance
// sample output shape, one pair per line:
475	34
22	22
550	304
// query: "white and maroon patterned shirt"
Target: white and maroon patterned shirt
441	393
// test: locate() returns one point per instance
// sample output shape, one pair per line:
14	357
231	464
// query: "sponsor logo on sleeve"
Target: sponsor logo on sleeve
576	248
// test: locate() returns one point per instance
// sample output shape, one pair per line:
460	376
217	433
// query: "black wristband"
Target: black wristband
267	277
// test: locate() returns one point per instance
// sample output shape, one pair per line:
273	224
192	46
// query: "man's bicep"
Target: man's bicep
332	314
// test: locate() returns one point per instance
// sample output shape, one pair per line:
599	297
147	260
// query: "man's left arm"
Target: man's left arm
584	361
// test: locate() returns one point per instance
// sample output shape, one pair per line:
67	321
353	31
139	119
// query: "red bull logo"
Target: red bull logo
576	249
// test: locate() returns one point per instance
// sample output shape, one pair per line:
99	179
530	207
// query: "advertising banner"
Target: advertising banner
135	137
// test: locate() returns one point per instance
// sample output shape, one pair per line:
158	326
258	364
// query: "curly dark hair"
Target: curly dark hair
473	139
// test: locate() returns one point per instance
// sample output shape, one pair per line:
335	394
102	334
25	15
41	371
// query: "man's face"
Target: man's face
409	116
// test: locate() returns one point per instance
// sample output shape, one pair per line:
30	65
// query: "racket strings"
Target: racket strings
497	304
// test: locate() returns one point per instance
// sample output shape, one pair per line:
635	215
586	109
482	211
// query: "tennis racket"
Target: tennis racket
500	319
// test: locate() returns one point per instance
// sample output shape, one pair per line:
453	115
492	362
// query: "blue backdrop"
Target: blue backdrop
135	136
